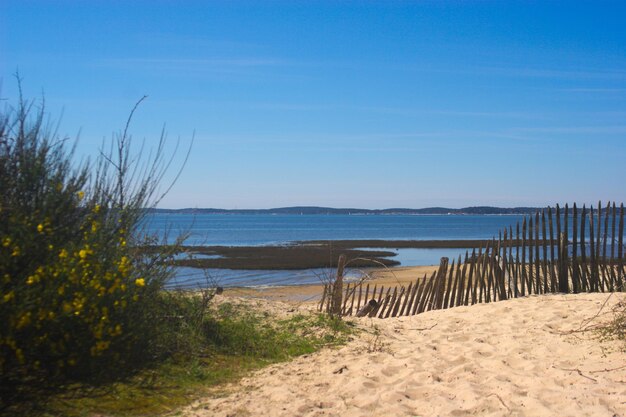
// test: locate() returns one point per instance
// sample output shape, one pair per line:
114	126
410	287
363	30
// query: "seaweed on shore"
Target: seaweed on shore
282	257
308	254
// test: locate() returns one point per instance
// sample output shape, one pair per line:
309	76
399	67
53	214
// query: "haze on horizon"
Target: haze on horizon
341	104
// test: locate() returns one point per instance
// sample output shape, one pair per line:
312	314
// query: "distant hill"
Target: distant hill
354	211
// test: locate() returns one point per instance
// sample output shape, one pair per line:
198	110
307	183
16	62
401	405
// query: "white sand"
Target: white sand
514	357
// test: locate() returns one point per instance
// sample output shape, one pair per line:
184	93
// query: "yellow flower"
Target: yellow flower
140	282
40	228
82	254
8	296
19	354
81	195
63	254
6	242
24	321
96	208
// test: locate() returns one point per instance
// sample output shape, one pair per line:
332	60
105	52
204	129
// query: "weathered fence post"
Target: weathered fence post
337	293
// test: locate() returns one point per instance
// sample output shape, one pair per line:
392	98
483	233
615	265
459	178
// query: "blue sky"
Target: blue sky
344	104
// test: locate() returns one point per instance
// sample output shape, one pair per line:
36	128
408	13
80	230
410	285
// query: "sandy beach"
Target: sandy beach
312	293
522	357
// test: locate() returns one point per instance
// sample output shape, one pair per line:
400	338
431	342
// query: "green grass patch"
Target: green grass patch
236	340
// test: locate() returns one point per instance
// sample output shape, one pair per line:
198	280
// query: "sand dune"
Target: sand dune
516	357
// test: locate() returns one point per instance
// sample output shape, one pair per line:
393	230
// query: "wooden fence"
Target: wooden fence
544	254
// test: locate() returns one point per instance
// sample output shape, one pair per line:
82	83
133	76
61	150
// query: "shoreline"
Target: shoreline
312	293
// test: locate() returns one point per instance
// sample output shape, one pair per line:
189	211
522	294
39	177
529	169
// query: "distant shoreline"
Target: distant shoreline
308	210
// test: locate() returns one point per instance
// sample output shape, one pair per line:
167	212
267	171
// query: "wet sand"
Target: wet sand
313	293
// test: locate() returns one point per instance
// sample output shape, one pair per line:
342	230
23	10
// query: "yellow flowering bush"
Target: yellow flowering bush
77	295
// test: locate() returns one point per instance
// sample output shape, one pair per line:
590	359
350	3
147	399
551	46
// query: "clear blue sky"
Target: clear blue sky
344	104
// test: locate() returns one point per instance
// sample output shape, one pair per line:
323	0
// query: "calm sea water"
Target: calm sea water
249	230
252	230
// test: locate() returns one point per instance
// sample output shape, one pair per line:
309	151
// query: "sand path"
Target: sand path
512	358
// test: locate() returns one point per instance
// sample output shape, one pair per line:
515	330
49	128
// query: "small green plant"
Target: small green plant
616	328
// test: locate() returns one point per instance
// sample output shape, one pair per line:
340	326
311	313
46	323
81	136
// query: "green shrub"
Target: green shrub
77	297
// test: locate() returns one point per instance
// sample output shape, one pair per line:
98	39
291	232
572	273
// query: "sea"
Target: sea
278	229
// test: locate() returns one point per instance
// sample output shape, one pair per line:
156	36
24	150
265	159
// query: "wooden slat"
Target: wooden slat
524	273
538	281
531	259
419	288
482	282
448	290
584	282
512	270
358	303
457	276
516	277
469	287
440	285
406	310
475	285
367	293
510	264
350	310
593	279
605	238
563	274
406	299
620	249
502	279
552	245
502	264
559	241
583	227
613	241
426	294
576	287
337	290
606	277
378	300
599	232
386	301
346	297
396	303
460	296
